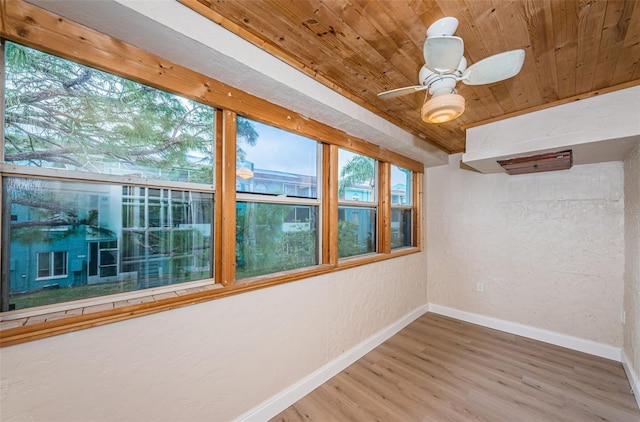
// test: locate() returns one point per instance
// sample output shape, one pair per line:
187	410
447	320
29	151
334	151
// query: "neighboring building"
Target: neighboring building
142	237
276	183
84	234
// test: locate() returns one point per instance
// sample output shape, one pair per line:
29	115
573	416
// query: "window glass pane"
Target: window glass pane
401	227
274	161
59	263
108	257
266	242
356	231
64	115
356	177
97	254
401	182
298	214
44	264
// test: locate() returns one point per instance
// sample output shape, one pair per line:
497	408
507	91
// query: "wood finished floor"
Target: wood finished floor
442	369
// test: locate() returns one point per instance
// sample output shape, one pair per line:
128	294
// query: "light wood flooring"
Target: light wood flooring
442	369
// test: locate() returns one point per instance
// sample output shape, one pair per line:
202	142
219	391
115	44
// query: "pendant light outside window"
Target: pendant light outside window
244	170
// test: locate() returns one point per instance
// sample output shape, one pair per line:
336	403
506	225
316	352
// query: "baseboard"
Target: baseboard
547	336
631	375
286	398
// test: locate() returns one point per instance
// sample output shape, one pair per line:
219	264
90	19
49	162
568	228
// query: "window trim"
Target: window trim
48	32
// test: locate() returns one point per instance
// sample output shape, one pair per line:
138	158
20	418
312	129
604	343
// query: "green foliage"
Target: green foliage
66	294
45	209
61	114
348	242
263	246
245	133
358	171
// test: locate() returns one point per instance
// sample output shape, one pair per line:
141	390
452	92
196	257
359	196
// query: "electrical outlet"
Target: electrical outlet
480	287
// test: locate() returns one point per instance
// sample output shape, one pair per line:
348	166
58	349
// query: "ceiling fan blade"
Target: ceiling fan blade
494	68
442	54
401	91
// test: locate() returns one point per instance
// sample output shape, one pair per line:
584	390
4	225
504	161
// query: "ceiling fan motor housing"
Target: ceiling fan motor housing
443	84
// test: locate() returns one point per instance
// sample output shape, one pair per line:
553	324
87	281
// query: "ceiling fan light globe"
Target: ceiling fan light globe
443	108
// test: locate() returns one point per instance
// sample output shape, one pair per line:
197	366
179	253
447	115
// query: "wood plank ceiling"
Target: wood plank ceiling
574	49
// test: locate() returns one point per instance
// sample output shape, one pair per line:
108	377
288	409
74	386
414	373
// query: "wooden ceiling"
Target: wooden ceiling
574	49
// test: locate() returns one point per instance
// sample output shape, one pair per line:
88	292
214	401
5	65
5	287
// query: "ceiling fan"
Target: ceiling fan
445	65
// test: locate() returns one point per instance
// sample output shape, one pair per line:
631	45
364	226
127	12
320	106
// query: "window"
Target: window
277	212
273	161
357	209
51	265
298	215
401	207
108	187
106	251
103	259
266	243
64	120
170	240
63	115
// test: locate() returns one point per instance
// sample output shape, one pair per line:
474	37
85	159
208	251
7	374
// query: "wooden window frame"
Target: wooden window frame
34	27
254	197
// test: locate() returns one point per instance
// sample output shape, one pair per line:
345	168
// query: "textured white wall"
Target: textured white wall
208	362
632	262
549	247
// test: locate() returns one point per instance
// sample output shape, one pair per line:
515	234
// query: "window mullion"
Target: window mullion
217	204
417	209
330	204
384	207
227	197
276	199
6	211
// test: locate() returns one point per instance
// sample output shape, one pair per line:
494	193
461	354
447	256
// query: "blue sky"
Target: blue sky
277	149
280	150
